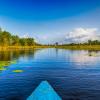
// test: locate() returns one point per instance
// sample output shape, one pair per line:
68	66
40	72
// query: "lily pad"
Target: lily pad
1	69
17	71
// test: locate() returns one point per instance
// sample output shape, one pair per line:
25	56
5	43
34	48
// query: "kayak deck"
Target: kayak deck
44	92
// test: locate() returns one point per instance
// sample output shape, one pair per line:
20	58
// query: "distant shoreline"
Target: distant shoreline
69	47
80	47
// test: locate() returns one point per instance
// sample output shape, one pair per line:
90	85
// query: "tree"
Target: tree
30	41
0	29
89	42
15	40
5	38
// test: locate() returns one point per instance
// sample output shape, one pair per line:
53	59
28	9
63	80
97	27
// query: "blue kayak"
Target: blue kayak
44	92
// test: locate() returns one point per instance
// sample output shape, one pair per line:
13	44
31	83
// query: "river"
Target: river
74	74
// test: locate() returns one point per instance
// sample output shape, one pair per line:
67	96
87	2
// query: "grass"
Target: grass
72	47
81	47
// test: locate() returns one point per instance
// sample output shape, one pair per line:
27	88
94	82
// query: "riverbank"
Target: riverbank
80	47
20	47
70	47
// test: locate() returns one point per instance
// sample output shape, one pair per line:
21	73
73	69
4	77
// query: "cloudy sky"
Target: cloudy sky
50	21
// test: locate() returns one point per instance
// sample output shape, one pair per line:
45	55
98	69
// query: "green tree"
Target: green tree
15	40
5	38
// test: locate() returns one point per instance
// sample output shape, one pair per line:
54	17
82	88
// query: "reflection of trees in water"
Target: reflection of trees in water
15	54
94	53
9	57
56	51
5	56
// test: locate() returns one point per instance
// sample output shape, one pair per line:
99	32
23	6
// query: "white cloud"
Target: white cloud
82	34
76	35
25	36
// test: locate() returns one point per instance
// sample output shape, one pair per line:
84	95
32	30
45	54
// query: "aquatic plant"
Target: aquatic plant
4	64
17	71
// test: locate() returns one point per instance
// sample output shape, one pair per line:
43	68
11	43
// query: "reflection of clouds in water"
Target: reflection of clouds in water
84	59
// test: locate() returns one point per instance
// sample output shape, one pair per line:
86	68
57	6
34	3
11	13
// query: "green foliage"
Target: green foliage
6	39
15	40
27	41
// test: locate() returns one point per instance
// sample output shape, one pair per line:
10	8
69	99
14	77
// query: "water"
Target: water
75	75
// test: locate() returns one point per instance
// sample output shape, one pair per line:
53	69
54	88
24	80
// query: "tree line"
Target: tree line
7	39
89	42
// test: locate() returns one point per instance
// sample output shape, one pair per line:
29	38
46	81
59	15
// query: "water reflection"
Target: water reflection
15	54
94	53
60	56
84	59
75	75
11	56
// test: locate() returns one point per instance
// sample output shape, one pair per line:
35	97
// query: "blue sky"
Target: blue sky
50	21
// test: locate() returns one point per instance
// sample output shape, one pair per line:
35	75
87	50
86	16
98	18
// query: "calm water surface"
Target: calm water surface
75	75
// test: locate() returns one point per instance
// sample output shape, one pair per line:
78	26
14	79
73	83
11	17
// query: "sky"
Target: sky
50	21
